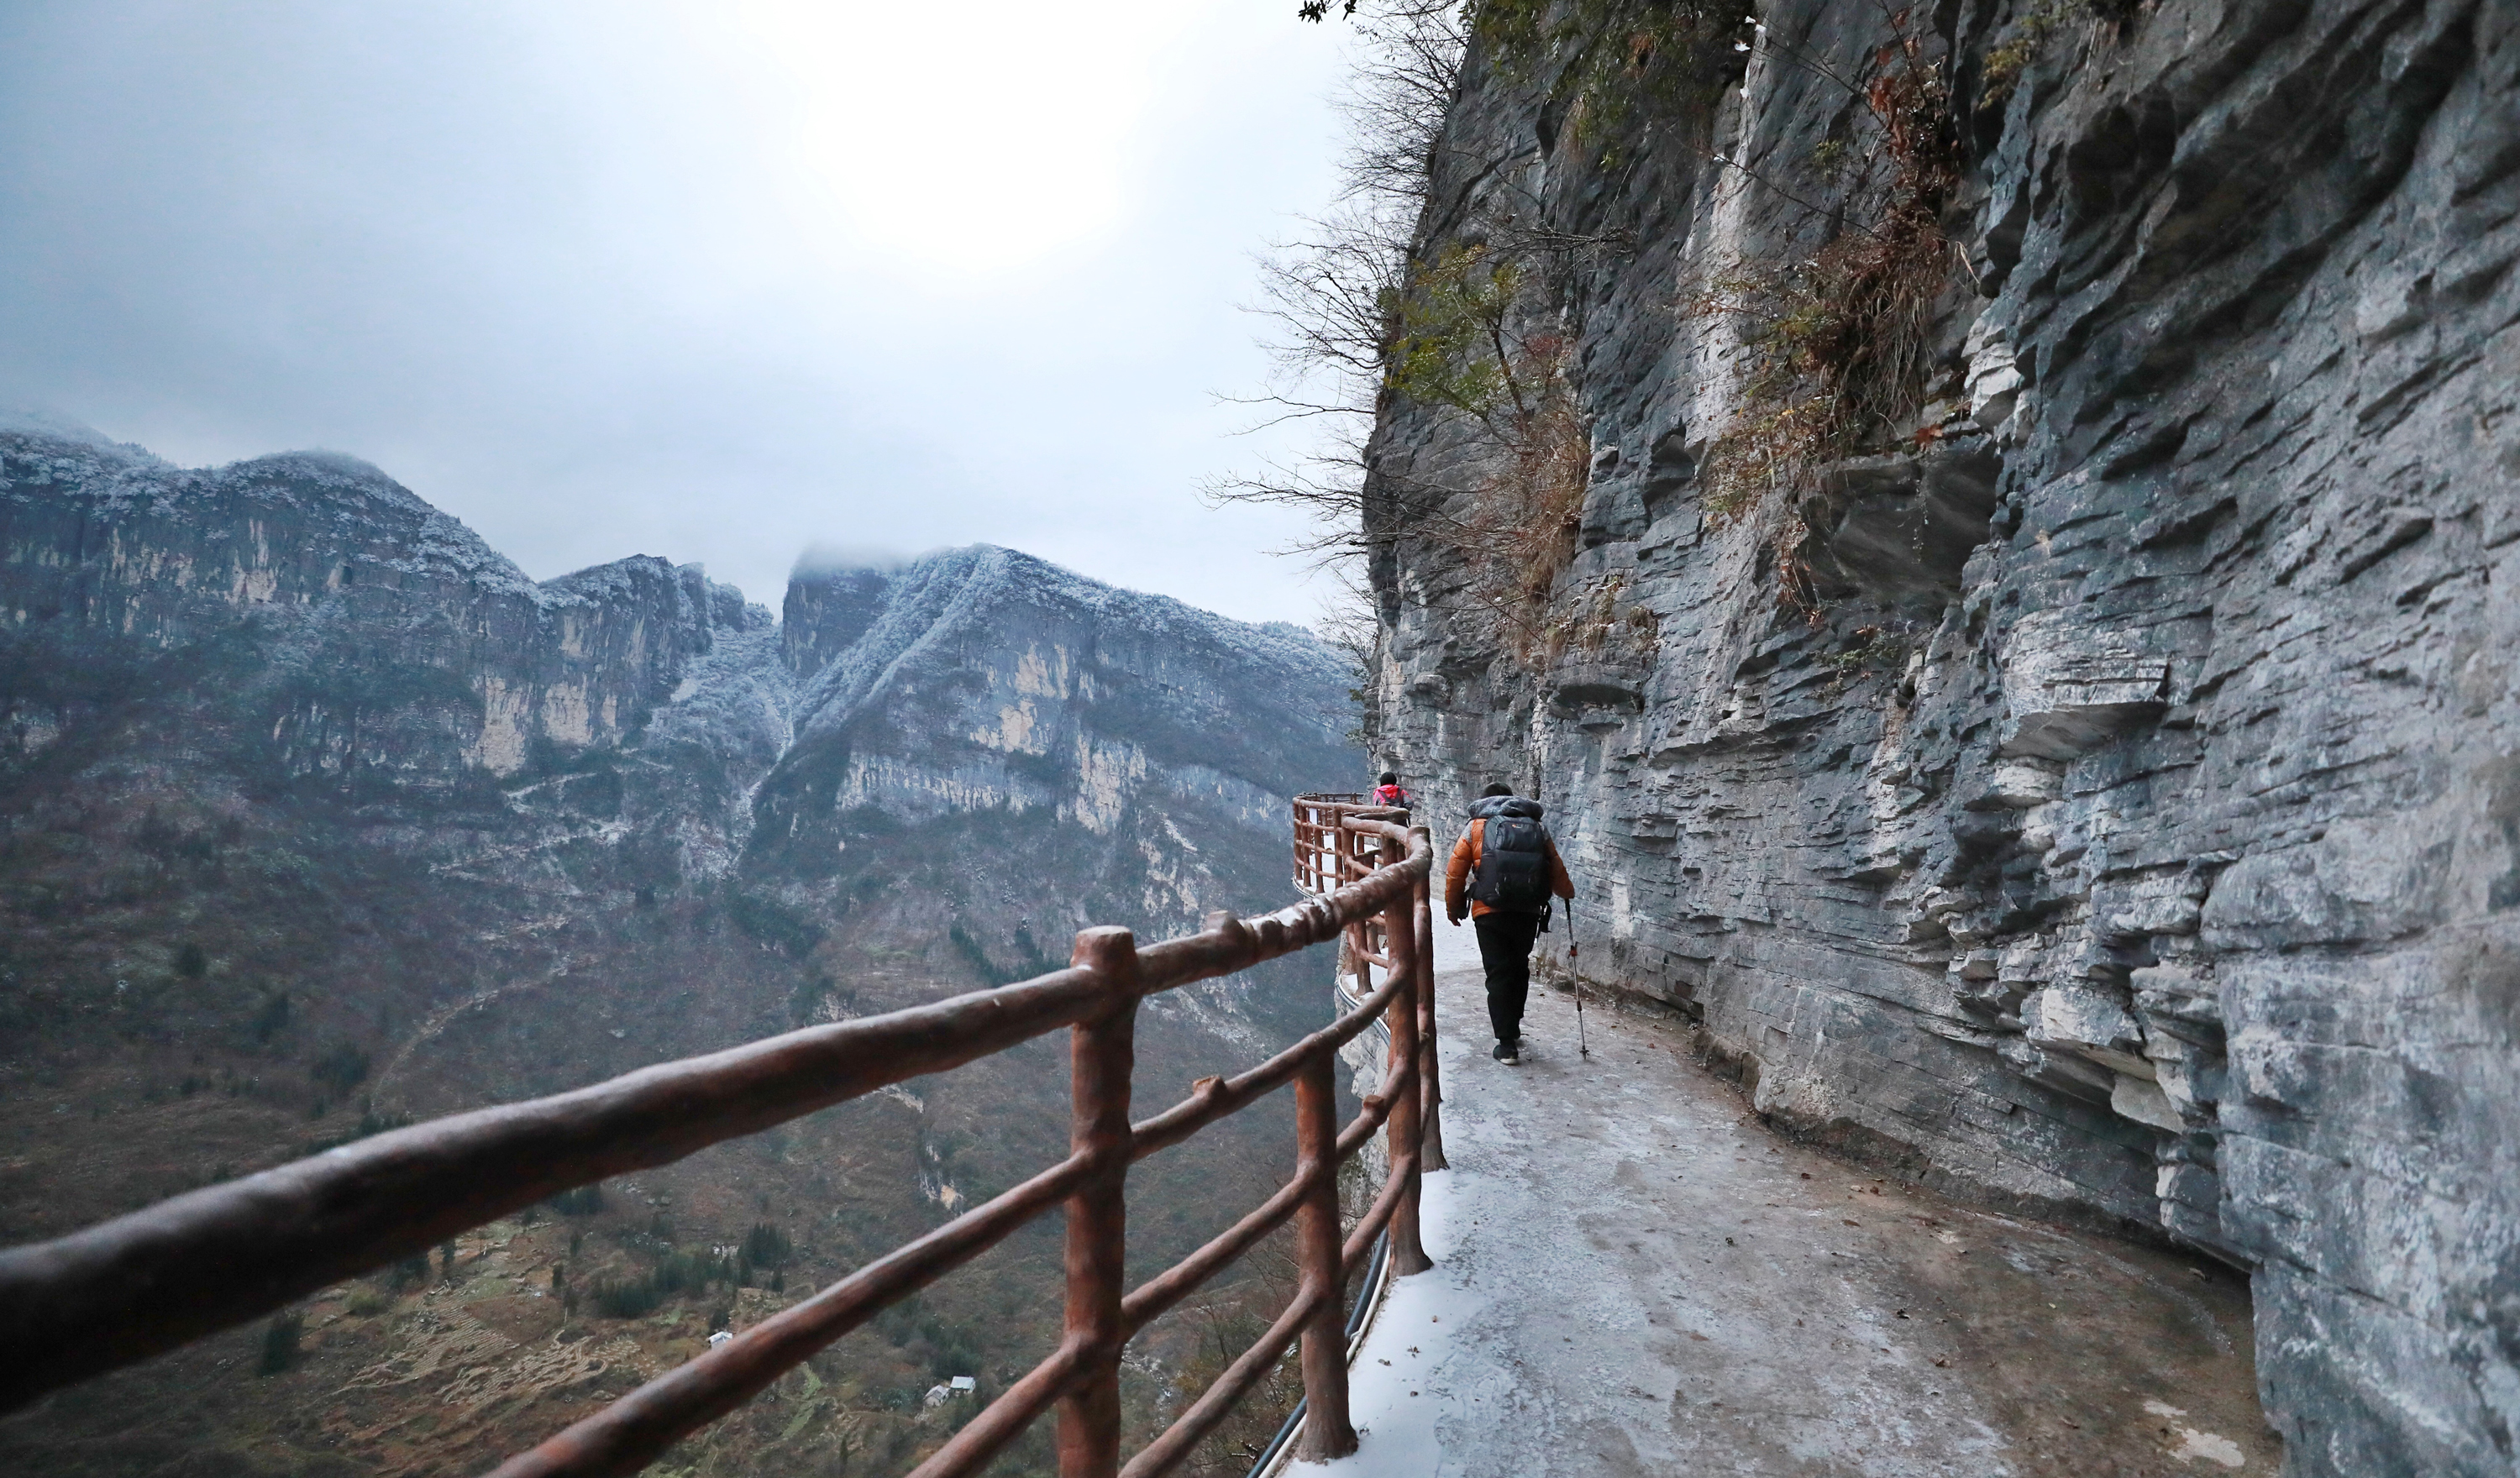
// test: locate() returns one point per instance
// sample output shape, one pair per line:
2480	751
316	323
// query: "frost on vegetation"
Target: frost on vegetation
941	598
370	507
38	424
1467	330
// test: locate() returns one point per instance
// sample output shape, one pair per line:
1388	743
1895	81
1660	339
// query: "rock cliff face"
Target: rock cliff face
1082	721
2097	786
325	553
316	813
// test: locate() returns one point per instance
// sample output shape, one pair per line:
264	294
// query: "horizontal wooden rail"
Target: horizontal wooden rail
1167	1452
628	1434
131	1287
1060	1378
1213	1099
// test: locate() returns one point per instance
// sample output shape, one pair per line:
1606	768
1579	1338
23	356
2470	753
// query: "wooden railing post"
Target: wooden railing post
1406	1126
1327	1432
1432	1143
1102	1052
146	1282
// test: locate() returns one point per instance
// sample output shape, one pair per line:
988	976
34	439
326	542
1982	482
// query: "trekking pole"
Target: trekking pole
1582	1046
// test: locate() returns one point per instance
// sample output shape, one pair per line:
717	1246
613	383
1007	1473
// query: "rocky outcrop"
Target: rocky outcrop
2100	795
1039	693
401	646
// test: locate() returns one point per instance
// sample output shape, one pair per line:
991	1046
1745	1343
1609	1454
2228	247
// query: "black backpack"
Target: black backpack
1514	875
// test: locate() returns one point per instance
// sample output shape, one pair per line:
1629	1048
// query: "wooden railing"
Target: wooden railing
1330	849
119	1292
1335	844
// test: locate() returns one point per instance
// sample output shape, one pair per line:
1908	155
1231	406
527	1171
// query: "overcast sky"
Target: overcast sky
716	282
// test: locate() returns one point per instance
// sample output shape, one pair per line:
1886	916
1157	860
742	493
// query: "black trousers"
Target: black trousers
1505	952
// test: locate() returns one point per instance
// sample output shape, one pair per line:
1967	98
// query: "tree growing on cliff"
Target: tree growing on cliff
1330	296
1837	344
1366	317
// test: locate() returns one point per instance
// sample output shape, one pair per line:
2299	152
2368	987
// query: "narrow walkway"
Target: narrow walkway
1634	1277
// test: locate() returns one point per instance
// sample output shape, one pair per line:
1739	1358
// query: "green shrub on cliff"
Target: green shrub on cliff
1607	61
280	1342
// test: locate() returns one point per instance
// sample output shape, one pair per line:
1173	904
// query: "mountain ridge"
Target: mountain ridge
316	815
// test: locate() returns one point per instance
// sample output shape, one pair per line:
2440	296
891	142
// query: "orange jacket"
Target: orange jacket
1465	861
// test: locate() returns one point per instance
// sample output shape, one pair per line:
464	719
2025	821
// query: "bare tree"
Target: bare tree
1332	296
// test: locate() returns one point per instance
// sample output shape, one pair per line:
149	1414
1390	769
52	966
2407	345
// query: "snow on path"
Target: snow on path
1634	1277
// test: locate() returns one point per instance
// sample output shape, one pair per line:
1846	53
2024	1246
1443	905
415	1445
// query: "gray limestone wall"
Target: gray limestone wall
2120	816
403	643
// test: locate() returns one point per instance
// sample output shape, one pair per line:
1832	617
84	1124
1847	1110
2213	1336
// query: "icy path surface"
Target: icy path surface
1634	1276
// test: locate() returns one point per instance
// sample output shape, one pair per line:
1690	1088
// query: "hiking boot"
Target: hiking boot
1508	1053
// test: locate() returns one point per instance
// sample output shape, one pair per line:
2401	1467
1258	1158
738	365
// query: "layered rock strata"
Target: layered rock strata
2101	796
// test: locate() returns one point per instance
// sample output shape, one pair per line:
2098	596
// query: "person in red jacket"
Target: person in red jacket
1506	869
1387	790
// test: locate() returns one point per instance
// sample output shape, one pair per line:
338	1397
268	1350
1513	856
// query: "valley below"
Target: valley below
317	818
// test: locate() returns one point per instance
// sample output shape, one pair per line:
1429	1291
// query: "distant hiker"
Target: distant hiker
1509	868
1388	792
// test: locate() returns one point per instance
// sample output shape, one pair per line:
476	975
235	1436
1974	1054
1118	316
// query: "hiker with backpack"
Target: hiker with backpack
1510	870
1387	791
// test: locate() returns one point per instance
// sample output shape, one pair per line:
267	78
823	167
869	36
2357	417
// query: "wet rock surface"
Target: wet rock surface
2141	853
1636	1276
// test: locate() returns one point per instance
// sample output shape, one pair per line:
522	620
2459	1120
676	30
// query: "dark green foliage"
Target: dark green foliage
280	1342
869	820
272	1019
1610	59
766	1246
1029	960
970	948
1048	770
192	961
925	1339
409	1271
1450	349
807	999
339	1067
631	1298
1030	955
773	922
675	1272
578	1200
344	676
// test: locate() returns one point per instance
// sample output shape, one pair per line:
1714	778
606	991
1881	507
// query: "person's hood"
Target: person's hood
1505	805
